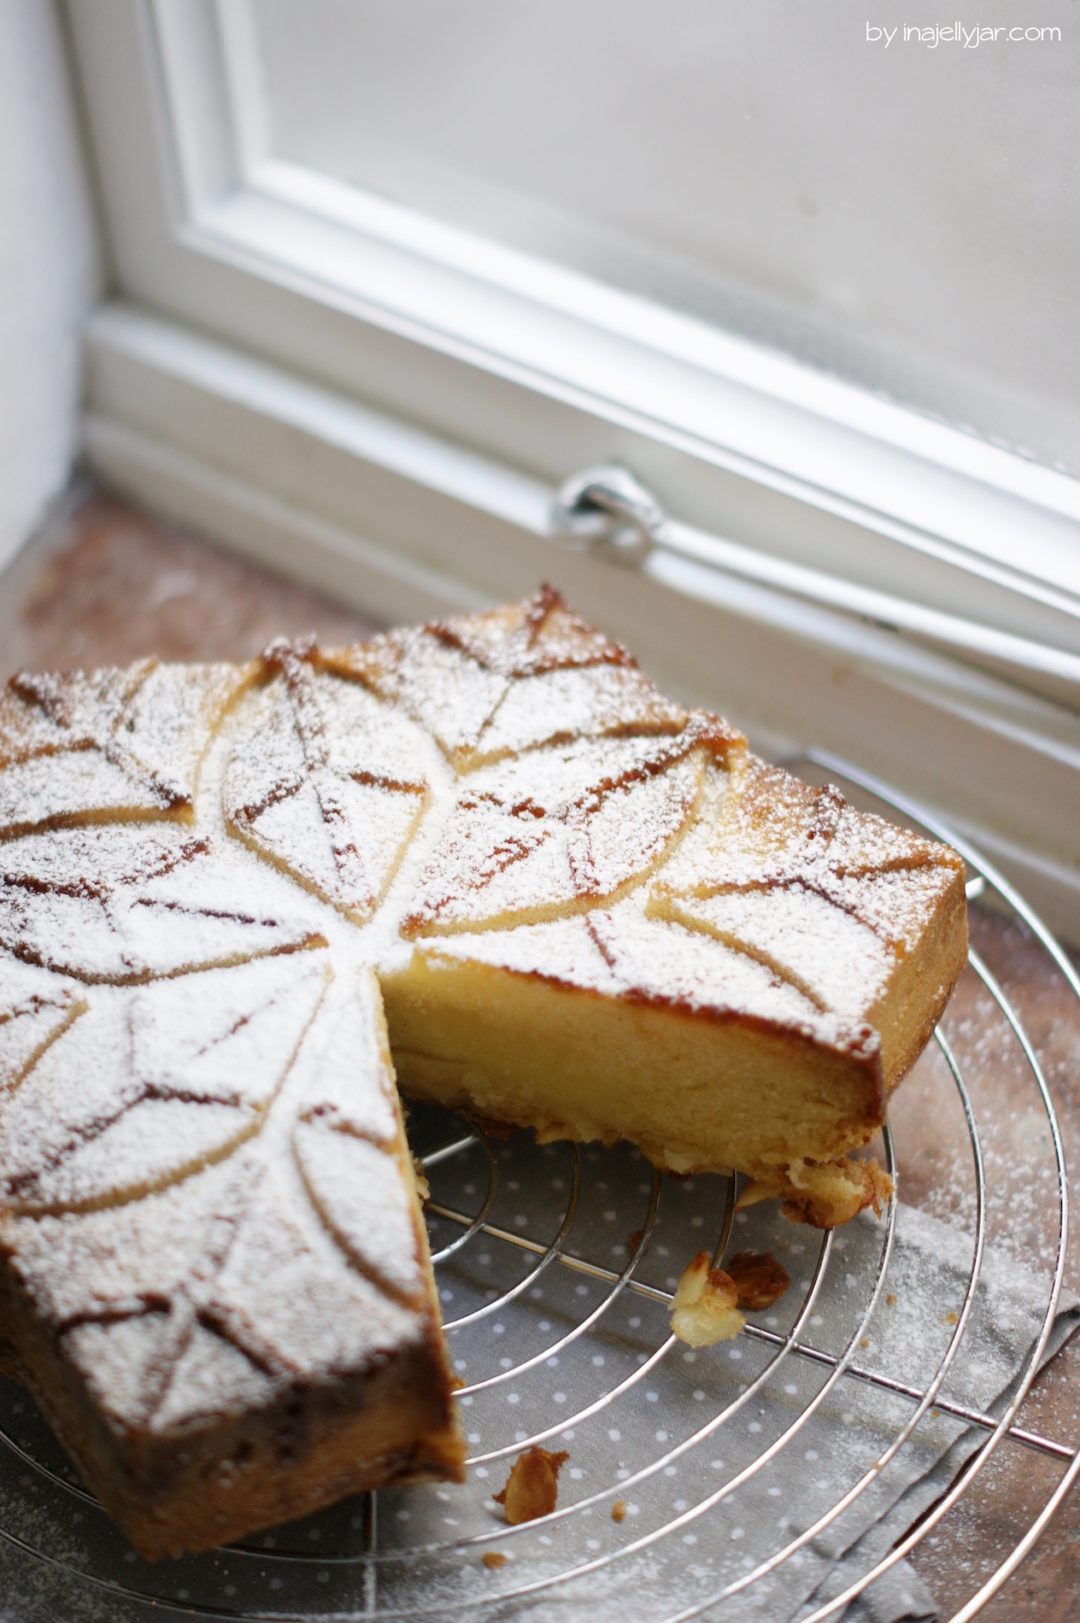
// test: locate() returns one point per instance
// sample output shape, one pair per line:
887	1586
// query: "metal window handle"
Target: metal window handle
607	510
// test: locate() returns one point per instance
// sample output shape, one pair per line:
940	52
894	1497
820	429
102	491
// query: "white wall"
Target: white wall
50	266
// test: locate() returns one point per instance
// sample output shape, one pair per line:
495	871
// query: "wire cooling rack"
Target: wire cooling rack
556	1268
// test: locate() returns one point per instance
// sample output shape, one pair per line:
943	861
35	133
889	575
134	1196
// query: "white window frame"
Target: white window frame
385	405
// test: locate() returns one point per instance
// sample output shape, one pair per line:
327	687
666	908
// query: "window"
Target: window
700	157
388	275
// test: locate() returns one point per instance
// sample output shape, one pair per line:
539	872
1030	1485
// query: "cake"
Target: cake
489	848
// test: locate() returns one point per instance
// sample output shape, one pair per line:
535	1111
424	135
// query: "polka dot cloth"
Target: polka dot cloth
556	1312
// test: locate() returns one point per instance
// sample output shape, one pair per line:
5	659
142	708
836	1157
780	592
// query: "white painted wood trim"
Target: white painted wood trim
541	369
404	524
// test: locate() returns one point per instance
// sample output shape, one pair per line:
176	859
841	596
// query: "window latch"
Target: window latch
606	510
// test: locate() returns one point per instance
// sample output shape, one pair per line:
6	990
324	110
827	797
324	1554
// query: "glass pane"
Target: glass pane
899	211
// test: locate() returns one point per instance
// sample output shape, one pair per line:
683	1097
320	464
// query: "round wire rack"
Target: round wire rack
785	1473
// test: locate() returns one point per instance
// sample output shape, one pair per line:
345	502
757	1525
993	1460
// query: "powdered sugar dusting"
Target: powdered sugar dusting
787	929
152	1081
512	679
124	902
112	743
553	828
580	702
201	1159
798	877
35	1008
318	780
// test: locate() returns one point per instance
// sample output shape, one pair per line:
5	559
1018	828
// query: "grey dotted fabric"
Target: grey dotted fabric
723	1460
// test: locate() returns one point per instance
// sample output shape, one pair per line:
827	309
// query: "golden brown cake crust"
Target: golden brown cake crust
582	907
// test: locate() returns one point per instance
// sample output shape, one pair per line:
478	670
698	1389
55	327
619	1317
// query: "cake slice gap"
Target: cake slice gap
489	847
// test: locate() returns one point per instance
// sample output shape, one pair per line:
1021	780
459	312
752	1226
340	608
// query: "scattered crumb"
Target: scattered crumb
890	1300
703	1309
758	1278
456	1384
824	1194
949	1318
618	1510
493	1559
828	1195
532	1486
423	1188
865	1342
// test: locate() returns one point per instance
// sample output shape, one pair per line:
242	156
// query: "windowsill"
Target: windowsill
398	521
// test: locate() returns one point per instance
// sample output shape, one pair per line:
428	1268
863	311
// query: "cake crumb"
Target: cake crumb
828	1194
457	1384
890	1300
704	1308
532	1487
618	1510
423	1188
865	1342
634	1241
493	1559
759	1279
949	1318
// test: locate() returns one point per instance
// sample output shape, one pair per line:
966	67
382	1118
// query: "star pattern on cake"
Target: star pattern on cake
211	878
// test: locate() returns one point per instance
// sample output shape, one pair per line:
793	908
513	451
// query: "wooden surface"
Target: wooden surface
102	584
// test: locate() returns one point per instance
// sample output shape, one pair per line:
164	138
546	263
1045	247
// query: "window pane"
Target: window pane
902	214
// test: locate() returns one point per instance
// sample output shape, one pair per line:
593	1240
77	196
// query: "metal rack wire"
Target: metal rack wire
540	1281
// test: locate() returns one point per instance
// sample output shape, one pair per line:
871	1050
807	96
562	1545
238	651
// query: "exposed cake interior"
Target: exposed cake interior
582	908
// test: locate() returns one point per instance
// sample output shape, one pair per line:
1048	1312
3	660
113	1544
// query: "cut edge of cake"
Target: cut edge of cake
195	1466
683	946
